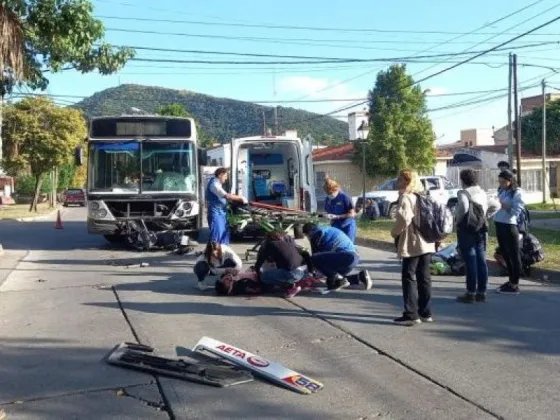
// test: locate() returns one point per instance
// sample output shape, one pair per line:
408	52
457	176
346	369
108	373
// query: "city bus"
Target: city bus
143	179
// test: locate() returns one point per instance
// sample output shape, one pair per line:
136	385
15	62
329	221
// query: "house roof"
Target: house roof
345	151
342	152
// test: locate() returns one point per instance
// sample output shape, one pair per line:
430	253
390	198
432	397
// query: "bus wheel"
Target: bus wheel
298	232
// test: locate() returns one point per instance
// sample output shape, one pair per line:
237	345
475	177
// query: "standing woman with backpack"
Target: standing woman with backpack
415	251
507	230
471	221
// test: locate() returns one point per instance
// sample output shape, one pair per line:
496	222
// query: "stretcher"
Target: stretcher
268	218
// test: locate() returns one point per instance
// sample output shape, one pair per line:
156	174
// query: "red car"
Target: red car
74	196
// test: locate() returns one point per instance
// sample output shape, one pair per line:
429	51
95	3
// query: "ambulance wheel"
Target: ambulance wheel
298	232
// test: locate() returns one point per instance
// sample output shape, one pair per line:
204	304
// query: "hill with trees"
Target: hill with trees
220	118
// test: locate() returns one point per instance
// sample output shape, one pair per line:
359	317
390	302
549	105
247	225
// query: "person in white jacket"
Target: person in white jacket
473	209
216	260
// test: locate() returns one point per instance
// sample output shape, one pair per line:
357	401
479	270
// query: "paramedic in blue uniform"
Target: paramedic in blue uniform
340	209
217	199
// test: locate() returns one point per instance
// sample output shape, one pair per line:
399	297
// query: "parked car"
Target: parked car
74	196
387	195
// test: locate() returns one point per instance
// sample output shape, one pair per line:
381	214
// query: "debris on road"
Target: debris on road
272	371
140	357
141	265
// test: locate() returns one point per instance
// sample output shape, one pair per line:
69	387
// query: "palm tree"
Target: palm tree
11	43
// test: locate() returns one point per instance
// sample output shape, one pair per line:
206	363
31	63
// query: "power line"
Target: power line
317	60
514	26
303	28
449	94
458	64
432	47
333	59
297	41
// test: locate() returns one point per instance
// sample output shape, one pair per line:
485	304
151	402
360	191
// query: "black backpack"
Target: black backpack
531	250
436	220
474	220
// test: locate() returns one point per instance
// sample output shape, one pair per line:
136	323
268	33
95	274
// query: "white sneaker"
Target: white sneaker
203	285
365	279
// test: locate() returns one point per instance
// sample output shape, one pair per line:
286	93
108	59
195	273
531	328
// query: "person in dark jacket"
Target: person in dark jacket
290	263
334	256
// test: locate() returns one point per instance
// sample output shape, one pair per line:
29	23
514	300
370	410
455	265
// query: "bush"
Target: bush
25	185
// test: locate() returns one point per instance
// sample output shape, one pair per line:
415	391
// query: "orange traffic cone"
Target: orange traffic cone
58	221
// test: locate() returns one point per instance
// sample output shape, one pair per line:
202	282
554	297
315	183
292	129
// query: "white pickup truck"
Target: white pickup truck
387	195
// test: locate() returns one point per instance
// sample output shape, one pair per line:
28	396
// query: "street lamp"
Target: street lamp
362	129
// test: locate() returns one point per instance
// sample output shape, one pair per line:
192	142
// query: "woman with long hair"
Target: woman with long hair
216	260
340	209
415	252
507	231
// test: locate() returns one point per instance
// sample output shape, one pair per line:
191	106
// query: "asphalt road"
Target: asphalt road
64	296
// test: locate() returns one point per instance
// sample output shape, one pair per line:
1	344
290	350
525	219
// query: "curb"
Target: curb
540	275
38	218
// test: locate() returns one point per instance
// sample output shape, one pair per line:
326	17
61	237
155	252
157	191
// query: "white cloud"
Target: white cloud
314	88
306	87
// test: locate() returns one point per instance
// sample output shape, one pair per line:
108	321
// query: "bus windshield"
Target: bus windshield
146	167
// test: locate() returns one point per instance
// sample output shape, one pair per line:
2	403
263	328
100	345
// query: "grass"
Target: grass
380	230
545	207
18	211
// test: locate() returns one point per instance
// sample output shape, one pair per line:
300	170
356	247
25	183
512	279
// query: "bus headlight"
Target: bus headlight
102	213
93	205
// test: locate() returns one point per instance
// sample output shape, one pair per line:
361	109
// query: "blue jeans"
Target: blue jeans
473	251
330	264
278	277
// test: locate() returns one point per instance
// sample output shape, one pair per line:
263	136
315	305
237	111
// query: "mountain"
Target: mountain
219	118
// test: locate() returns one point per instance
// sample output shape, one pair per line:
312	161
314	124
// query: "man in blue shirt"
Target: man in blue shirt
340	209
334	256
217	199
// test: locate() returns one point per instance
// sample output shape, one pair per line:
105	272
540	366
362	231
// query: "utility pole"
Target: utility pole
510	128
276	133
544	193
517	121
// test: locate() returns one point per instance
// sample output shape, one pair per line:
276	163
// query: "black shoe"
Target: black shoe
337	283
466	298
480	297
508	289
365	279
407	321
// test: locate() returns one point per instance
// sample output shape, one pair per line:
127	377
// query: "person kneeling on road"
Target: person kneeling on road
217	259
334	256
291	263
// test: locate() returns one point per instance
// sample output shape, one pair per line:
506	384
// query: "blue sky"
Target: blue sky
330	81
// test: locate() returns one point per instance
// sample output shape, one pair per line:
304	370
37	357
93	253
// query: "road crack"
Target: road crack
166	406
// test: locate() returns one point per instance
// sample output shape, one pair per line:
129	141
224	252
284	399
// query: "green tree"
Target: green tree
531	129
400	133
173	110
40	136
178	110
58	35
